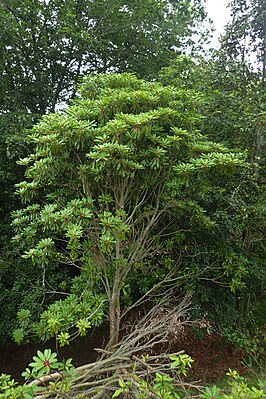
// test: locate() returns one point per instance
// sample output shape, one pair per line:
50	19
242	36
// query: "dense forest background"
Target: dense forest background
179	195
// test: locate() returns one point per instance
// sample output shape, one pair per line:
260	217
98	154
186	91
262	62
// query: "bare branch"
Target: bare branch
100	379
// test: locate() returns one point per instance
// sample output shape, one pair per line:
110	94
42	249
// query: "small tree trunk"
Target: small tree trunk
114	312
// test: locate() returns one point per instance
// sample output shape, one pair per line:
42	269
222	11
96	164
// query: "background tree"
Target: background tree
245	36
45	46
234	114
119	178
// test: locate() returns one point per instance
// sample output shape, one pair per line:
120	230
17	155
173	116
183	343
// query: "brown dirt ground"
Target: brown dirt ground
212	356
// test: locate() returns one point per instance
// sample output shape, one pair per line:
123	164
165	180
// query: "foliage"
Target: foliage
234	102
245	35
212	392
47	45
65	319
233	111
161	385
115	174
240	389
182	363
44	363
9	389
165	387
12	146
42	367
246	339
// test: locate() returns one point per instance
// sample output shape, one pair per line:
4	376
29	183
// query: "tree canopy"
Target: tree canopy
116	178
245	36
47	45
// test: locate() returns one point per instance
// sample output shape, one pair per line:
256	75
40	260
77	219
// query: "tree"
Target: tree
233	112
114	178
47	45
245	35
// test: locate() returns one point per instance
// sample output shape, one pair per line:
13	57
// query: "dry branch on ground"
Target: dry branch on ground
99	380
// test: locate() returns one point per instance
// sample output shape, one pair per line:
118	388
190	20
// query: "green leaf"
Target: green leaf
117	393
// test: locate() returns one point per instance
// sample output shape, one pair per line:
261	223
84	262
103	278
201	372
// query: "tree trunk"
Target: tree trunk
114	312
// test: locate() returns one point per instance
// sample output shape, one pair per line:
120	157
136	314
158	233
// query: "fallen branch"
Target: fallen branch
99	380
